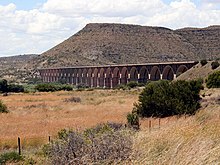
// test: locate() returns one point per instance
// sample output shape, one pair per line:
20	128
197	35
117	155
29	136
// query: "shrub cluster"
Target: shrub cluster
129	85
10	158
5	87
103	144
203	62
164	98
3	108
52	87
213	80
215	64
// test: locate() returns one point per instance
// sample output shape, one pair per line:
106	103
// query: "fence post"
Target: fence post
19	146
149	125
159	123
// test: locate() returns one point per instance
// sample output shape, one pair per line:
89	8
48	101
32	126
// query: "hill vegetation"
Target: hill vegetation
99	44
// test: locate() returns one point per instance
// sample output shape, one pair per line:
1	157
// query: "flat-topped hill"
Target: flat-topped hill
98	44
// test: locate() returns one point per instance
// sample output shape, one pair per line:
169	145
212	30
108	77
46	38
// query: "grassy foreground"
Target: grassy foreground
178	140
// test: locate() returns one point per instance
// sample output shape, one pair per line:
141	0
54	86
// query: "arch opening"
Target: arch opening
134	74
124	75
108	79
95	78
101	77
155	74
89	78
116	77
181	69
144	75
168	73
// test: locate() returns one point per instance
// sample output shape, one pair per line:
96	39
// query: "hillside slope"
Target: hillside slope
99	44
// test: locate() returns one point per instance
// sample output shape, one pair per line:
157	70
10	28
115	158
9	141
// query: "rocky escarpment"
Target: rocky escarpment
205	40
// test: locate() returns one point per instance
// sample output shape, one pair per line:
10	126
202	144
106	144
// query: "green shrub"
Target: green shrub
132	84
164	98
3	108
213	80
203	62
15	88
215	64
52	87
10	157
133	120
3	85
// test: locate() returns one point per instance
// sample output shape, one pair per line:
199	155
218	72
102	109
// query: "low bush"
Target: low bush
10	157
215	64
203	62
103	144
164	98
133	120
15	88
3	108
213	80
73	99
52	87
132	84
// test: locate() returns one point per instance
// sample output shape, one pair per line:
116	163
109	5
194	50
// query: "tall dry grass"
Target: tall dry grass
190	140
34	117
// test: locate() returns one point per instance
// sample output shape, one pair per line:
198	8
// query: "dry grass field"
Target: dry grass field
35	116
178	140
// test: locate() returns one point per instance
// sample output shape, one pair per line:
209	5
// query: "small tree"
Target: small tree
3	85
213	80
3	108
164	98
203	62
133	119
215	64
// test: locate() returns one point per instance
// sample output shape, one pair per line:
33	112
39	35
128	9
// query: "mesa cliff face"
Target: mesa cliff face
99	44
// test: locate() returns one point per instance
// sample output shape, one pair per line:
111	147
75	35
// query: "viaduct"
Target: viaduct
109	76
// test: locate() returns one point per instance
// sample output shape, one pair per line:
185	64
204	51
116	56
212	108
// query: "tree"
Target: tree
3	85
213	80
164	98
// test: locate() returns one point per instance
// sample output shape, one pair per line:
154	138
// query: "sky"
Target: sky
34	26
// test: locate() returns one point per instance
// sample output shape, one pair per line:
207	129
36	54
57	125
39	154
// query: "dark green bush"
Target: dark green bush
215	64
132	84
10	157
15	88
203	62
52	87
213	80
164	98
133	120
3	108
3	85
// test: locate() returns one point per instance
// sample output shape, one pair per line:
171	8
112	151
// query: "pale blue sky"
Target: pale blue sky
31	4
23	4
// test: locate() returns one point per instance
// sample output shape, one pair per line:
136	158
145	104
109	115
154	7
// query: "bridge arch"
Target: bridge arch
155	73
134	74
79	76
108	78
144	75
124	75
95	77
116	77
101	77
84	76
181	69
168	73
89	78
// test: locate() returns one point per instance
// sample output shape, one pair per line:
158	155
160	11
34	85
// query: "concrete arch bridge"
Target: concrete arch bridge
109	76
